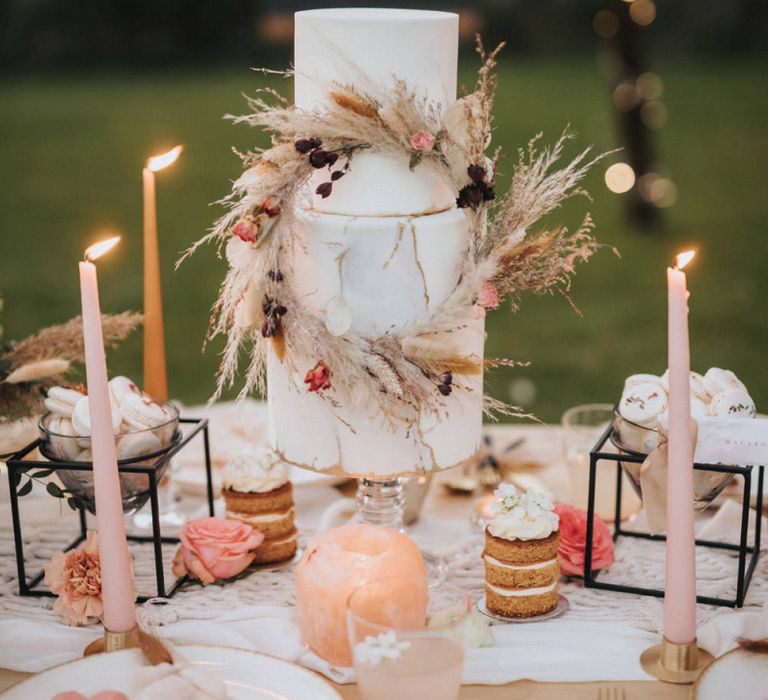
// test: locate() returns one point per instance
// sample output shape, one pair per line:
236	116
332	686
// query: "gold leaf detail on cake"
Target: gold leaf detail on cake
355	104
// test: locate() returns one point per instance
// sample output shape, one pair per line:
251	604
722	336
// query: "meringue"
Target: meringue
61	400
81	417
62	445
138	409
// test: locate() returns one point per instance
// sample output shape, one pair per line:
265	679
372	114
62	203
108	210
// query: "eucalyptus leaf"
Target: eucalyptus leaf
54	489
42	474
25	489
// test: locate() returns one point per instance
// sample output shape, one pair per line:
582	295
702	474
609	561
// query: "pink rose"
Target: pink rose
488	296
422	141
573	538
215	549
271	206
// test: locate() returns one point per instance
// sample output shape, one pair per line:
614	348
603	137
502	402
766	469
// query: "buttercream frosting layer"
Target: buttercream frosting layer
370	49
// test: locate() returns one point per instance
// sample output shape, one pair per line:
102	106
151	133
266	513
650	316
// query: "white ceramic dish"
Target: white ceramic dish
737	675
246	675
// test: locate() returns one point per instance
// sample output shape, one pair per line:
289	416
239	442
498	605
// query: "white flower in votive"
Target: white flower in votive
373	650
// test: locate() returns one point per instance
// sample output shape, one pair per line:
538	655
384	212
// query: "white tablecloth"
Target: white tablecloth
600	638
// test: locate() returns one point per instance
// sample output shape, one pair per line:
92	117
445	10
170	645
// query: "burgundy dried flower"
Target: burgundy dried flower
318	158
275	275
318	378
337	175
324	189
306	145
445	389
469	196
331	158
476	173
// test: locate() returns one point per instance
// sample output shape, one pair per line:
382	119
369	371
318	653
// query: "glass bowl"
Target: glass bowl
638	441
422	657
135	448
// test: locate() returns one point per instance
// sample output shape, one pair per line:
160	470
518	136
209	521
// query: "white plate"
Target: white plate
246	674
717	680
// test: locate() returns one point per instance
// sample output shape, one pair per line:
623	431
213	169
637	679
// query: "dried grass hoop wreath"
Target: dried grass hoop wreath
415	369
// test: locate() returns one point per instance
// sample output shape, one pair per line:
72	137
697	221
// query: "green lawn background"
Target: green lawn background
72	147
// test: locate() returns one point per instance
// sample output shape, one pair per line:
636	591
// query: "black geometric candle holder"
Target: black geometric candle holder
153	468
747	554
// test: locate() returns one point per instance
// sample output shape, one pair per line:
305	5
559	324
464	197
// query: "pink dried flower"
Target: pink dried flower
246	230
488	297
318	378
75	577
422	141
271	206
215	549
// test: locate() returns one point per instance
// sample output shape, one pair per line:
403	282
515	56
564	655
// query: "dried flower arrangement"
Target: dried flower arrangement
28	367
416	368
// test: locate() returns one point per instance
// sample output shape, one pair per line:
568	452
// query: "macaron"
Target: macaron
718	380
62	442
61	400
696	383
732	403
138	409
635	379
81	417
643	403
137	444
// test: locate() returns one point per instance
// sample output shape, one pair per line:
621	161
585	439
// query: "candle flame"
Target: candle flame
164	159
98	249
683	259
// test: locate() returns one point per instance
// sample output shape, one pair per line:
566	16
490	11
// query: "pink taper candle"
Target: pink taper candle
680	588
116	580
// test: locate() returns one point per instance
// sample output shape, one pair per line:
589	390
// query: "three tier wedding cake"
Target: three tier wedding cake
386	246
362	260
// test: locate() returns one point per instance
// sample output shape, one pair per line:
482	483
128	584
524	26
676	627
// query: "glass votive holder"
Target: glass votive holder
414	661
582	426
134	448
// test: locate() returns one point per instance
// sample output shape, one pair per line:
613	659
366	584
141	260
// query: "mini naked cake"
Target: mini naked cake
520	555
256	491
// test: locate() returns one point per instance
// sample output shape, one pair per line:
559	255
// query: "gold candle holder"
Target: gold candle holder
113	641
675	663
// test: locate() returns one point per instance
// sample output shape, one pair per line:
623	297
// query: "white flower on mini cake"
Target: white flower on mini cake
372	650
475	631
523	516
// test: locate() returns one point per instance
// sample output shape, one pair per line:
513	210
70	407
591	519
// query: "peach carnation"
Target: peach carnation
75	577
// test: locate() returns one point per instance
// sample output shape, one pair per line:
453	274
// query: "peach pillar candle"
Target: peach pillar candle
155	373
680	584
336	562
116	579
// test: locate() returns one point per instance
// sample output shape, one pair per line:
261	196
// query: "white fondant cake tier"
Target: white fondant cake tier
353	46
389	271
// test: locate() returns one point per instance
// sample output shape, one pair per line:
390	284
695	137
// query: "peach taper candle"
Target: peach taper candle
155	373
116	578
